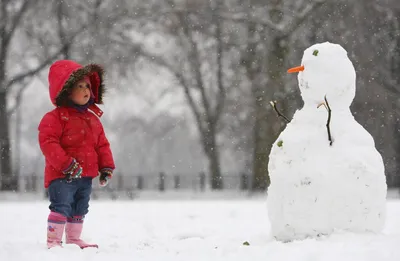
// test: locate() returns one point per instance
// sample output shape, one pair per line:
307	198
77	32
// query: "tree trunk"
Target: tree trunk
18	135
262	141
212	153
267	126
9	182
253	60
215	169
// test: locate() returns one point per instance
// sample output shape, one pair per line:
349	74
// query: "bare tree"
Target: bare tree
11	13
264	57
270	27
198	68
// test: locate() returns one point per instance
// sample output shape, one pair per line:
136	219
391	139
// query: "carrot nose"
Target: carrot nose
296	69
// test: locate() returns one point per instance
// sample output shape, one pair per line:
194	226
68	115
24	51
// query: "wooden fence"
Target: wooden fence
160	182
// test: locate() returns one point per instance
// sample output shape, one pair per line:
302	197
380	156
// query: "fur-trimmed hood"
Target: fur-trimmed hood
63	75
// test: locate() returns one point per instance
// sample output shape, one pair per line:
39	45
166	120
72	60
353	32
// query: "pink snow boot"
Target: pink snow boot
73	232
55	229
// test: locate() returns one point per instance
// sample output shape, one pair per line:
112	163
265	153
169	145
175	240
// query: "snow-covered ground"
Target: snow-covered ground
184	230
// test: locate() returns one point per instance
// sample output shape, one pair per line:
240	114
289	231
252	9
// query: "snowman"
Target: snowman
325	171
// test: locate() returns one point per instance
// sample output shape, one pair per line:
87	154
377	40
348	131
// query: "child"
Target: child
75	148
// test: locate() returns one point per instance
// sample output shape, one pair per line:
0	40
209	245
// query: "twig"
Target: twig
329	121
322	103
273	104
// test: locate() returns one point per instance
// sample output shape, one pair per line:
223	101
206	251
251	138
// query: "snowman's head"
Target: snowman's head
326	71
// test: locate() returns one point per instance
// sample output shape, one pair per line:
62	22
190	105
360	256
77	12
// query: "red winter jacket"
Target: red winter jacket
66	133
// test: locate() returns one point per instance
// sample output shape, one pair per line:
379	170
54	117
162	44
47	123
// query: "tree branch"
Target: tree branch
3	37
243	18
15	20
59	13
19	77
220	52
299	19
194	60
193	105
182	82
240	17
328	122
18	98
138	49
3	19
273	104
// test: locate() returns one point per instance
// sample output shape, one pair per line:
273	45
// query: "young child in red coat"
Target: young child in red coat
75	148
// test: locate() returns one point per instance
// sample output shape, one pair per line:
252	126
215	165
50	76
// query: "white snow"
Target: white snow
317	188
185	230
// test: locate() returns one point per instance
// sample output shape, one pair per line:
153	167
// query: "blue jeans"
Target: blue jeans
70	199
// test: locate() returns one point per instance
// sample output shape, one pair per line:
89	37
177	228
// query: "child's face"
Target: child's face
80	93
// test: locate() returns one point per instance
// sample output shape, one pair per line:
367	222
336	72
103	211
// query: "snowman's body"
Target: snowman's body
317	187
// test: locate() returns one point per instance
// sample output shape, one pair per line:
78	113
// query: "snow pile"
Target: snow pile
318	186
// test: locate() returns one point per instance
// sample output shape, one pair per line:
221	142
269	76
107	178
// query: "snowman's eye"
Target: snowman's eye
315	53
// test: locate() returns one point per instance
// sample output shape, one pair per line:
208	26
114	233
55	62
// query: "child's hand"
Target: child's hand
105	176
74	171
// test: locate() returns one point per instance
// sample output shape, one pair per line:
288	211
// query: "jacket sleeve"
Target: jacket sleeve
106	160
50	131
